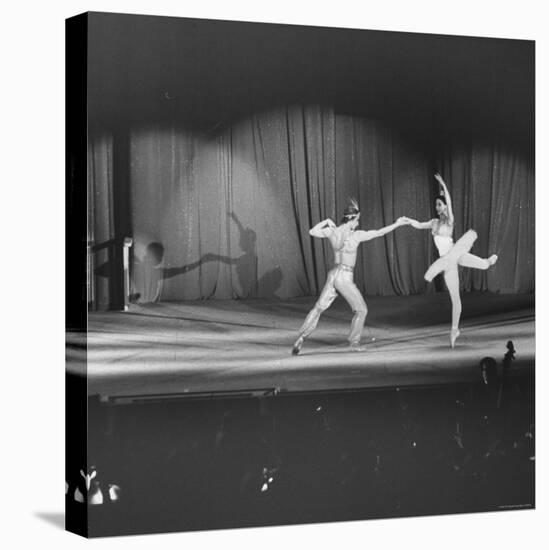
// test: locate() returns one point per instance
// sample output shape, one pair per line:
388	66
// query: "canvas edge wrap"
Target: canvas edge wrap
76	310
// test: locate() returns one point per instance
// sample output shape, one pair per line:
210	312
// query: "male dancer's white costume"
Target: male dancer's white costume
345	241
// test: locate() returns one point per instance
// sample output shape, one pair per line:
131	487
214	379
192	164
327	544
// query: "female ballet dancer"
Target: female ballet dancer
344	240
451	255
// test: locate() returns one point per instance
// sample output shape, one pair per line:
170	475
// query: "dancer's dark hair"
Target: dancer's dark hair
442	199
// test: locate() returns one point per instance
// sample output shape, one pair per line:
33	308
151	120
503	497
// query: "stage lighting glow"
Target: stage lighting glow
88	477
95	496
268	478
114	492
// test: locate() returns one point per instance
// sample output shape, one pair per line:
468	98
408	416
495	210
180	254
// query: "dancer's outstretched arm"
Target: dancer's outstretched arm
446	194
322	229
374	233
419	225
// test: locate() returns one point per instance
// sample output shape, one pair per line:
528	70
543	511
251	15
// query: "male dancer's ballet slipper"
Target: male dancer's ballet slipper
357	347
297	346
493	259
454	333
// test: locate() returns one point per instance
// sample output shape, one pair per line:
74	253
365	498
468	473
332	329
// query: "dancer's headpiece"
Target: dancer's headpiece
351	211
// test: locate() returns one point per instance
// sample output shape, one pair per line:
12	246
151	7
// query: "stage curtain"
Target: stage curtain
224	212
494	193
101	233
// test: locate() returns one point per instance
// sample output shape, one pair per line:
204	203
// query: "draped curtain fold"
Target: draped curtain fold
101	233
494	194
225	213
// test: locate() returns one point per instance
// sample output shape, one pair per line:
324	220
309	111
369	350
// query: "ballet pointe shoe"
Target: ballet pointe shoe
355	346
297	345
493	259
454	333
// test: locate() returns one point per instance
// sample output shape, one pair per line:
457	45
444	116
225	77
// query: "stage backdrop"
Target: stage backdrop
226	214
217	145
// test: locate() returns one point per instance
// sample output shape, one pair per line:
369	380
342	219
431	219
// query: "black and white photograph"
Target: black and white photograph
309	286
291	266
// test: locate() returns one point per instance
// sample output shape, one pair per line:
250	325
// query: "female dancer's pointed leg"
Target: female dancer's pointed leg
451	278
470	260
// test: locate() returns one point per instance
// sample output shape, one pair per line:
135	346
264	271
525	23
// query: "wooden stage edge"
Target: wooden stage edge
216	348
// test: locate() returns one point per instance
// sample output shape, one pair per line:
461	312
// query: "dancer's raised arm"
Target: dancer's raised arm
446	195
362	236
322	229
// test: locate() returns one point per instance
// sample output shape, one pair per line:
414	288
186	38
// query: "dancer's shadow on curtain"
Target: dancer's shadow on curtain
108	249
105	263
153	274
149	274
246	267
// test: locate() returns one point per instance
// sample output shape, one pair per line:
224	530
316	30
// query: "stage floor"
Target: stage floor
225	346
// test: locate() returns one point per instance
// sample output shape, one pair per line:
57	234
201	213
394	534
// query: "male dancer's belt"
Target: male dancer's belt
345	267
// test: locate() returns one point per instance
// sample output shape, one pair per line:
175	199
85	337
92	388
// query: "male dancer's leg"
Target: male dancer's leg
345	285
325	300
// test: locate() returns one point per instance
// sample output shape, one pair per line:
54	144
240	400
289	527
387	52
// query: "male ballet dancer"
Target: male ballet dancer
344	240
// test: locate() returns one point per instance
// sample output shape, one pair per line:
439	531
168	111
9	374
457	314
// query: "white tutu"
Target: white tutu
450	259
